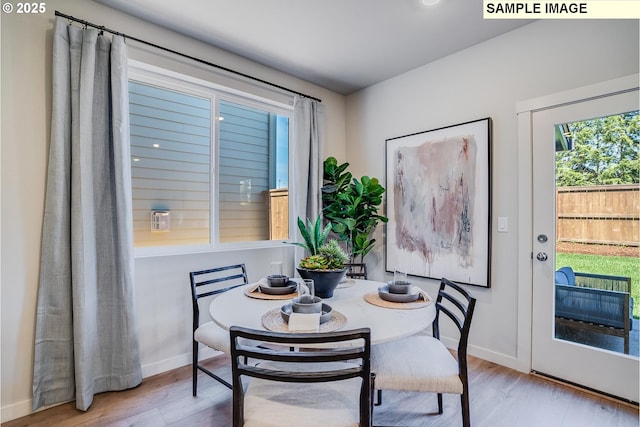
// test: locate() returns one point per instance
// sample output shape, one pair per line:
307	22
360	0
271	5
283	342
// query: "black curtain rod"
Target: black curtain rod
202	61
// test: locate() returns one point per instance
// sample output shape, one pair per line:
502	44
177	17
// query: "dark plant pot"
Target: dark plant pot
324	281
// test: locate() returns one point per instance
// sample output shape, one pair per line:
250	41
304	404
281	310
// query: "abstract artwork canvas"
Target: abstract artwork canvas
438	203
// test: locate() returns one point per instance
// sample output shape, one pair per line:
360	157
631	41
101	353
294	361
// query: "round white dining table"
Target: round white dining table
234	308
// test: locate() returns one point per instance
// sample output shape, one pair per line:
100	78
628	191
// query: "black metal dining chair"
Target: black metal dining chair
356	270
207	283
331	386
422	363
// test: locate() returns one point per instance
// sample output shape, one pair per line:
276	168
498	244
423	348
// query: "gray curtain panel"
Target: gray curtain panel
86	338
308	133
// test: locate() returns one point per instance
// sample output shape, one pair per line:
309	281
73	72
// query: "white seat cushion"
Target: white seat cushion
281	404
416	363
212	335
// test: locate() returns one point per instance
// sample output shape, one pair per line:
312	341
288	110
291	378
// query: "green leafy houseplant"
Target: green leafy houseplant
325	263
351	207
324	253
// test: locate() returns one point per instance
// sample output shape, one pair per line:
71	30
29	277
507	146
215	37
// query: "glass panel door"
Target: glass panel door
578	324
597	234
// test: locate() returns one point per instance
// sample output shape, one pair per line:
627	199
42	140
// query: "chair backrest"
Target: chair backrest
357	353
356	270
457	304
596	306
603	281
213	281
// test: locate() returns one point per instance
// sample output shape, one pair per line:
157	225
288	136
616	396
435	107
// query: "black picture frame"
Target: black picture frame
438	202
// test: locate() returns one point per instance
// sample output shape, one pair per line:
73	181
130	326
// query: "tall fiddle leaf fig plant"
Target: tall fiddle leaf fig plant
351	205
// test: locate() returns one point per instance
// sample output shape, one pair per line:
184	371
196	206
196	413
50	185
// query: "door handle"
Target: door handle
542	256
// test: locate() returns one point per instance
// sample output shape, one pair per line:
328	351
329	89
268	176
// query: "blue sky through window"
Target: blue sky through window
282	152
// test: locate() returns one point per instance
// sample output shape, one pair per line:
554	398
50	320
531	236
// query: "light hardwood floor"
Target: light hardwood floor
499	397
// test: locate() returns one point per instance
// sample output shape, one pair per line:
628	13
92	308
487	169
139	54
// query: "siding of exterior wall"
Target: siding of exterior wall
170	148
244	173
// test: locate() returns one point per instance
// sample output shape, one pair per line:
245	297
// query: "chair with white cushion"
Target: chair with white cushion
206	283
422	363
330	386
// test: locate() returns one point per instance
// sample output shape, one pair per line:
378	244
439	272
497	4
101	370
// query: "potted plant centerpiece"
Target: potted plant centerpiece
325	262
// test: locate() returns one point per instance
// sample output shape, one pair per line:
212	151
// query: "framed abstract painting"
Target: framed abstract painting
439	203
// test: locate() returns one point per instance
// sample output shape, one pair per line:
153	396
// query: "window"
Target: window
209	168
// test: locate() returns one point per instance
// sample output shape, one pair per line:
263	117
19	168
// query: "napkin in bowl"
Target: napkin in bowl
254	286
304	322
423	294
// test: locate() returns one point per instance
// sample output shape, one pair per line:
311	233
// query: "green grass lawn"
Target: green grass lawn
610	265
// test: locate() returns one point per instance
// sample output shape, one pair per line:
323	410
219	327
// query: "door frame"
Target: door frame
524	111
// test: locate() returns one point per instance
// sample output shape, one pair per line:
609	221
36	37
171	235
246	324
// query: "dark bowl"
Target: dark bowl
325	316
399	287
278	280
279	290
306	304
384	293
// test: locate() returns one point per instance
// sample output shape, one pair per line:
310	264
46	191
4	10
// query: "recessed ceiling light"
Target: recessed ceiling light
429	2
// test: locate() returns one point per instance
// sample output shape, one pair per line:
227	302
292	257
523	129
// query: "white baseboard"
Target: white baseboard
165	365
498	358
490	356
15	410
23	408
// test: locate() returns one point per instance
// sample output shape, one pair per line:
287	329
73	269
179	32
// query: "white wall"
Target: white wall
162	292
487	80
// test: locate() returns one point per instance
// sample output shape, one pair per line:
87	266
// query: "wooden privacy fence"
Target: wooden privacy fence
603	214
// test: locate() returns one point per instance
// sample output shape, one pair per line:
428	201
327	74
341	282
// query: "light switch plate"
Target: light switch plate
503	224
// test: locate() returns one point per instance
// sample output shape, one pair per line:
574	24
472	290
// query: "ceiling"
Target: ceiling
342	45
